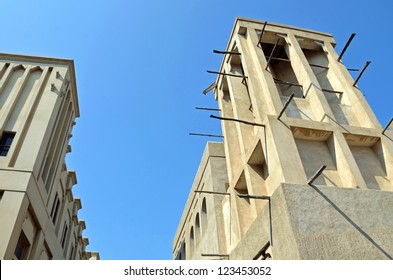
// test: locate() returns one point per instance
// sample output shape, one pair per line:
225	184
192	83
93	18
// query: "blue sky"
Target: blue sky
141	69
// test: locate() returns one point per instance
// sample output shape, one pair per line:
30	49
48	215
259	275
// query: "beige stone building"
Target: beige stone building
305	170
38	212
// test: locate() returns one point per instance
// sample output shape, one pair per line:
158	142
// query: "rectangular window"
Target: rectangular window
55	209
64	235
5	142
22	247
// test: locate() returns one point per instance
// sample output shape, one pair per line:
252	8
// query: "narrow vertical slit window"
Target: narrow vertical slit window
21	249
204	214
55	209
72	252
64	235
192	240
5	142
197	228
181	255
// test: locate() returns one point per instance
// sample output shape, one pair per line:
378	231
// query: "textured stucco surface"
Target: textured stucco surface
339	223
310	222
273	150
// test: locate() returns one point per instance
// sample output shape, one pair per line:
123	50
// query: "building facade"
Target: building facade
38	212
309	166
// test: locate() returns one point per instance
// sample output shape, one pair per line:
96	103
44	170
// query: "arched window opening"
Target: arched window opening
197	229
204	214
192	240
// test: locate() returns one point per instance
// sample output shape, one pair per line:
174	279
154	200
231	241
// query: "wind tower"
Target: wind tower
310	168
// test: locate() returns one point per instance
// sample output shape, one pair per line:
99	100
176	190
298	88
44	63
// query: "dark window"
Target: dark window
5	142
181	255
21	247
55	208
19	251
64	235
72	252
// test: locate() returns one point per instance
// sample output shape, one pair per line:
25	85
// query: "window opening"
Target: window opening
55	209
281	69
22	247
5	142
64	235
181	255
192	240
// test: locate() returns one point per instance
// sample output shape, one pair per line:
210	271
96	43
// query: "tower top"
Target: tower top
42	61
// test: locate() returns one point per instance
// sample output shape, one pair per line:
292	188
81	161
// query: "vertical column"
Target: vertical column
306	77
13	98
241	110
345	162
23	122
259	81
282	144
263	90
264	97
359	105
13	207
37	246
5	77
232	149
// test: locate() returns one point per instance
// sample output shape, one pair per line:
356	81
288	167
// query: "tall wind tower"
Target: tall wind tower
310	168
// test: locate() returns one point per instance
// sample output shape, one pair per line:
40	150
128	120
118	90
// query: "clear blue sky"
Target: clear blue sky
141	69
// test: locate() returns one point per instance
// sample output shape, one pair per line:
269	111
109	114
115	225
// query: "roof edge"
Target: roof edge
49	60
279	25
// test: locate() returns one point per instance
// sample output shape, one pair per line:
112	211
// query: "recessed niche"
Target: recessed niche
243	205
259	171
316	148
370	158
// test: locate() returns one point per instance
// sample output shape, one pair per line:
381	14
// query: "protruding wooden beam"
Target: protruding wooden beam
207	135
253	196
226	74
236	120
209	88
286	105
346	46
263	30
271	54
226	52
208	109
316	175
387	126
361	72
211	192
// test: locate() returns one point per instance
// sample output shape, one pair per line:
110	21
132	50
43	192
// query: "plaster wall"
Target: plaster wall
274	151
201	230
319	222
340	223
38	104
